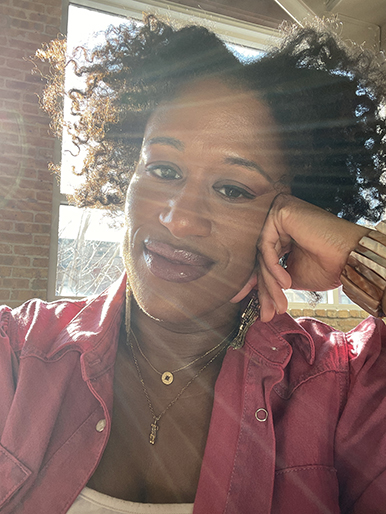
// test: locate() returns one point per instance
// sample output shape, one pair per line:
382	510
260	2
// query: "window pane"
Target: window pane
89	257
85	28
304	297
344	299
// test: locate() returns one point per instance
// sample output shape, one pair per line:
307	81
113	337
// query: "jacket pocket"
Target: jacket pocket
311	489
13	475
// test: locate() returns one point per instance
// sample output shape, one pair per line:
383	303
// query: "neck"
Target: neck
170	346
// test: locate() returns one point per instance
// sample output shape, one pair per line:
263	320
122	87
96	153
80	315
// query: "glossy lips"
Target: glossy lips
173	264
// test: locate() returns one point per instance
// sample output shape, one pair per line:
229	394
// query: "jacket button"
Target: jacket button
261	415
100	426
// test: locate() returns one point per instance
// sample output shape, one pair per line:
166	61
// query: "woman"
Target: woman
171	398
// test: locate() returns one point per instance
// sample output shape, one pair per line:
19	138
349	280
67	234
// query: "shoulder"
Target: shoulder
37	320
44	328
364	343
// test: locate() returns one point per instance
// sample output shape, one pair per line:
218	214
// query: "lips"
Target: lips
175	264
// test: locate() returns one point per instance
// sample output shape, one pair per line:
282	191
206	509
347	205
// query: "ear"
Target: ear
252	281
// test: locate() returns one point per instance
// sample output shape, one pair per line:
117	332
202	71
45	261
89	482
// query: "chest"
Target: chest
164	472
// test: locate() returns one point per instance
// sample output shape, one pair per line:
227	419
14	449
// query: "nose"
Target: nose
186	215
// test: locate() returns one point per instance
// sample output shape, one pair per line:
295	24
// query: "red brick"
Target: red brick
12	73
54	10
29	205
46	18
13	53
27	25
52	31
6	183
41	240
23	4
9	106
17	215
40	263
30	108
29	173
4	295
6	225
29	272
31	98
12	260
13	95
11	138
30	250
15	283
5	271
12	12
42	218
44	196
39	284
19	85
33	228
21	296
10	237
4	248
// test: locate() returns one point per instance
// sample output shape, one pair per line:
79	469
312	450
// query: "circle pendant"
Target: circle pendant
167	377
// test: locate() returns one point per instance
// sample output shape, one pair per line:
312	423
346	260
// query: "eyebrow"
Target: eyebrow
170	141
239	161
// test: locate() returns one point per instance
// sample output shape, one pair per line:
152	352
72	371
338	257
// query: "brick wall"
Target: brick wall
341	319
25	148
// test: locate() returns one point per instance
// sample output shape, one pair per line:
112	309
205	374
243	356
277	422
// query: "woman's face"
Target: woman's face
208	172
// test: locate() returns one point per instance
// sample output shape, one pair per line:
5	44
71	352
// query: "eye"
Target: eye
164	172
232	192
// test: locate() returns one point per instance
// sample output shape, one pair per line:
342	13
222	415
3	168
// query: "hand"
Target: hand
318	244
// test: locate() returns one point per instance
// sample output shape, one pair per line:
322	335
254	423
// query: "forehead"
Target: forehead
212	110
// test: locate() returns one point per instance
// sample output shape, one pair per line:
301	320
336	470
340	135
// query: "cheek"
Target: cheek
242	229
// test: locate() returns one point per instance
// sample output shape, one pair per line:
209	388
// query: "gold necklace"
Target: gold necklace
154	426
167	377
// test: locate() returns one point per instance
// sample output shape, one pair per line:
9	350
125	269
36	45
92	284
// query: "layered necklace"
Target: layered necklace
154	426
167	377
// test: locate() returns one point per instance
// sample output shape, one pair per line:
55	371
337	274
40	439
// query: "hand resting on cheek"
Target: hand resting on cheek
318	244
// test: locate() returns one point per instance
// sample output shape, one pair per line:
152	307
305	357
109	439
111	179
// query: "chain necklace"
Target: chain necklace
167	377
154	426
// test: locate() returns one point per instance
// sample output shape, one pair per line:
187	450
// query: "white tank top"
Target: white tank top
93	502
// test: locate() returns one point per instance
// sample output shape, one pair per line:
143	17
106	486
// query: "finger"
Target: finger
270	250
267	306
252	281
274	289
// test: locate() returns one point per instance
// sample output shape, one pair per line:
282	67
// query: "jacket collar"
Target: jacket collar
94	331
272	340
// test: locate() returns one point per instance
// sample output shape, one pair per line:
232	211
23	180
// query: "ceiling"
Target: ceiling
363	21
370	11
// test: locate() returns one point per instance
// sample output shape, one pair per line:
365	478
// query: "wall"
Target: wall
25	148
341	319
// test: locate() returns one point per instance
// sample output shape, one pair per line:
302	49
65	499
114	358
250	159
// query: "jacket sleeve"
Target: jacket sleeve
361	432
8	366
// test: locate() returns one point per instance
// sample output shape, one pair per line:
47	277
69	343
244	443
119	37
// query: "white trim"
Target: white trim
361	32
230	29
297	9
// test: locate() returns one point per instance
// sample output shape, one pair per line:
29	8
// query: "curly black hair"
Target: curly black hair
327	100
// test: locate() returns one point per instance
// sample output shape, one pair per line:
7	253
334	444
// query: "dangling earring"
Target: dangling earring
248	317
128	307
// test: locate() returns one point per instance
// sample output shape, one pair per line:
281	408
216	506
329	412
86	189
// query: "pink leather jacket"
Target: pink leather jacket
298	423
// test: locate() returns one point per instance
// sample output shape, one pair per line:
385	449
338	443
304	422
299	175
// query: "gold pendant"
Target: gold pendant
167	377
153	432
